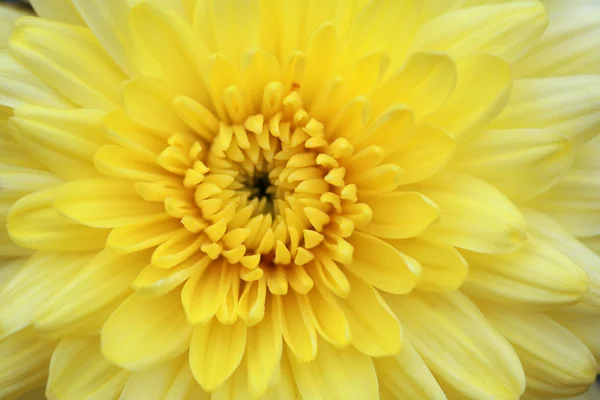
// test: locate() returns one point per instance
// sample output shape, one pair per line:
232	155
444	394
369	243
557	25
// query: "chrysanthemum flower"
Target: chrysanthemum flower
301	199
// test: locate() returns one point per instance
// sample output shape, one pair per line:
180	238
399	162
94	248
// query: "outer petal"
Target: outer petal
96	377
460	346
474	215
347	374
146	331
556	363
59	10
8	15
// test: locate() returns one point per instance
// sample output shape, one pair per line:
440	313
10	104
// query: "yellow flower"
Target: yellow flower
301	199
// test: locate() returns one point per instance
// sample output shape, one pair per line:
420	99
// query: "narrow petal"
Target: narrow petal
505	30
65	141
585	327
405	376
103	282
375	329
145	331
104	203
425	155
216	350
8	16
47	48
329	318
58	10
482	90
202	293
347	374
32	284
443	268
381	265
24	361
535	277
34	223
20	86
568	105
298	327
522	163
554	235
556	363
566	48
460	346
399	215
475	216
11	151
96	377
143	235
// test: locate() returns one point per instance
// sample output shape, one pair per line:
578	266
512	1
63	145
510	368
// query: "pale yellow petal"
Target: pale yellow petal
568	105
202	293
8	16
33	223
460	346
145	331
381	265
474	215
443	268
216	351
347	374
104	282
482	90
12	152
143	235
54	51
522	163
298	326
535	277
24	361
104	203
585	327
405	376
33	284
375	329
567	46
556	363
156	281
505	30
59	10
399	215
65	141
97	379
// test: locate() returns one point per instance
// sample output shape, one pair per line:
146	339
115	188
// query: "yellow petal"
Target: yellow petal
34	223
442	267
216	351
535	277
146	331
475	216
336	373
156	281
33	284
20	86
540	103
399	215
574	202
63	140
425	155
24	360
148	233
481	92
298	326
96	377
585	327
374	327
202	293
554	235
329	318
556	363
58	10
423	84
102	282
104	203
171	380
47	48
390	130
460	347
264	348
522	163
286	388
566	48
8	16
505	30
12	152
405	376
381	265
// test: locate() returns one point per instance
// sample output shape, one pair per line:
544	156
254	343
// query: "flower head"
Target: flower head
284	199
